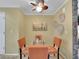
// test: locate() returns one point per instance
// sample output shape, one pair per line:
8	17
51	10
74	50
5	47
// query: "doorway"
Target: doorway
2	33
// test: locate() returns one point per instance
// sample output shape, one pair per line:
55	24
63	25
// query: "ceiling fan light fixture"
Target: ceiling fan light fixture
39	6
39	9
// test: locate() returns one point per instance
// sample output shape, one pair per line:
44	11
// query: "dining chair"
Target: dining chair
22	45
38	53
56	46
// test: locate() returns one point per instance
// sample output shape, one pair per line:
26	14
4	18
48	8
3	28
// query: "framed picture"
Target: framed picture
62	17
59	29
41	26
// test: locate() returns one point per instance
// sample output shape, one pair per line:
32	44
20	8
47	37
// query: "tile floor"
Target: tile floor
16	56
51	57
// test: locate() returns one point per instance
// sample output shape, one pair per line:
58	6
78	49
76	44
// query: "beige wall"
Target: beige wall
30	34
13	18
68	25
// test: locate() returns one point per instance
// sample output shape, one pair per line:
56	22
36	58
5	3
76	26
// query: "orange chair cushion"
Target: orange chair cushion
21	42
57	41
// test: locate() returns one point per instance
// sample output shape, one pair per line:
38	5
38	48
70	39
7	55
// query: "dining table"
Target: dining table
50	48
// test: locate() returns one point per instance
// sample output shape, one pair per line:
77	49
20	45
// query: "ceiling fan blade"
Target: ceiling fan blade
42	1
33	8
33	4
45	7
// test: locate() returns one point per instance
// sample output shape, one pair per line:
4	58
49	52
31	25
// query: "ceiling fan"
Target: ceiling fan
39	6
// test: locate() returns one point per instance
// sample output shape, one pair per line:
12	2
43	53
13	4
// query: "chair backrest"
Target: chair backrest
38	53
22	42
57	42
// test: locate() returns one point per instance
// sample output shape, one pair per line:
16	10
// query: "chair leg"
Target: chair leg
48	56
54	55
20	54
28	57
58	54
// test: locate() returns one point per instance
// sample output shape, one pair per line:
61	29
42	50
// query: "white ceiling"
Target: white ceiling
53	6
